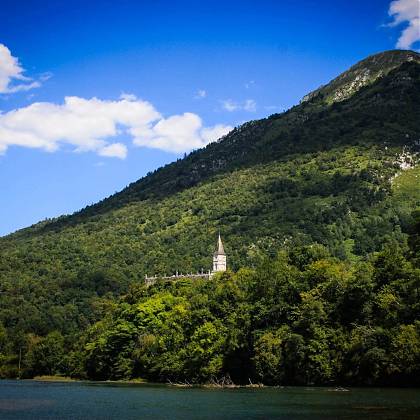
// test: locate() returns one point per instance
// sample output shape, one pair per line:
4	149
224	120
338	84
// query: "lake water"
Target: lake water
87	400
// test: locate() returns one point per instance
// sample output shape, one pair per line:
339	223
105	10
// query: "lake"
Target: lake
90	400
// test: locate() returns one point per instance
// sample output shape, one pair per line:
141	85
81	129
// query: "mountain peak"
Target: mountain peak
361	74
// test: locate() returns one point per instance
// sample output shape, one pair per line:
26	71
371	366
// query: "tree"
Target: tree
46	355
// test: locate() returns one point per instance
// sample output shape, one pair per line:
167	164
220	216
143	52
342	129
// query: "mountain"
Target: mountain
313	173
362	74
339	170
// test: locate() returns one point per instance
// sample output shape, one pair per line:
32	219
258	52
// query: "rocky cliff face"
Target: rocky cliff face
361	74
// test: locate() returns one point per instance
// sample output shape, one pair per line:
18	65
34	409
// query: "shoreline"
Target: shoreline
67	379
46	378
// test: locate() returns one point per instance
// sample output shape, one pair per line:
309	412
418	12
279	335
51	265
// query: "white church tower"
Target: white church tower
219	257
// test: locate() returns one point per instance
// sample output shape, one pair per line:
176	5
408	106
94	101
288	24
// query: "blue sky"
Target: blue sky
94	94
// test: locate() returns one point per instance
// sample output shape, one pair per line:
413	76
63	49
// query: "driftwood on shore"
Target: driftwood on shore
223	382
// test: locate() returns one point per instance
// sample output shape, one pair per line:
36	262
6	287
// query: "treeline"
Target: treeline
303	317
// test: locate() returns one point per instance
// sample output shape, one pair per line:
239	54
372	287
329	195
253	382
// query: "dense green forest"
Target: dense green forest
320	203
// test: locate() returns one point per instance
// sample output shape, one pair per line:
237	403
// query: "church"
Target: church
219	265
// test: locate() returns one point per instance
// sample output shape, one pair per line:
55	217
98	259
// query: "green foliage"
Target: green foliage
314	202
283	322
325	322
45	354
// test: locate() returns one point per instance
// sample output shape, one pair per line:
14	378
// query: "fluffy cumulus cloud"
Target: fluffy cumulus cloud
210	134
406	12
248	105
178	133
118	150
94	124
12	78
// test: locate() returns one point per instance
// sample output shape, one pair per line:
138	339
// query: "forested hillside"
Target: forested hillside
318	202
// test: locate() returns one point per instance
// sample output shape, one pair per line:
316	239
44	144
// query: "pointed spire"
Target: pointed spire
220	250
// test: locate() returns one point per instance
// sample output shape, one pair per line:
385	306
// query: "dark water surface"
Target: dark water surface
79	400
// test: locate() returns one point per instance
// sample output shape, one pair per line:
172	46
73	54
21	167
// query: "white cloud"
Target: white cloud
210	134
249	84
406	11
201	93
92	124
248	105
229	105
117	150
11	71
128	96
178	133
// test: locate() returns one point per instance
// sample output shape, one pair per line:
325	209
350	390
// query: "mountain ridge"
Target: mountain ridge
208	162
361	74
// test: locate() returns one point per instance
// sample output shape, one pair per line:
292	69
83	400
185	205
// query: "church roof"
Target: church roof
219	250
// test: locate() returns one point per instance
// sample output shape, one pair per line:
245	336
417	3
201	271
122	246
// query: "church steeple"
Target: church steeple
220	250
219	256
